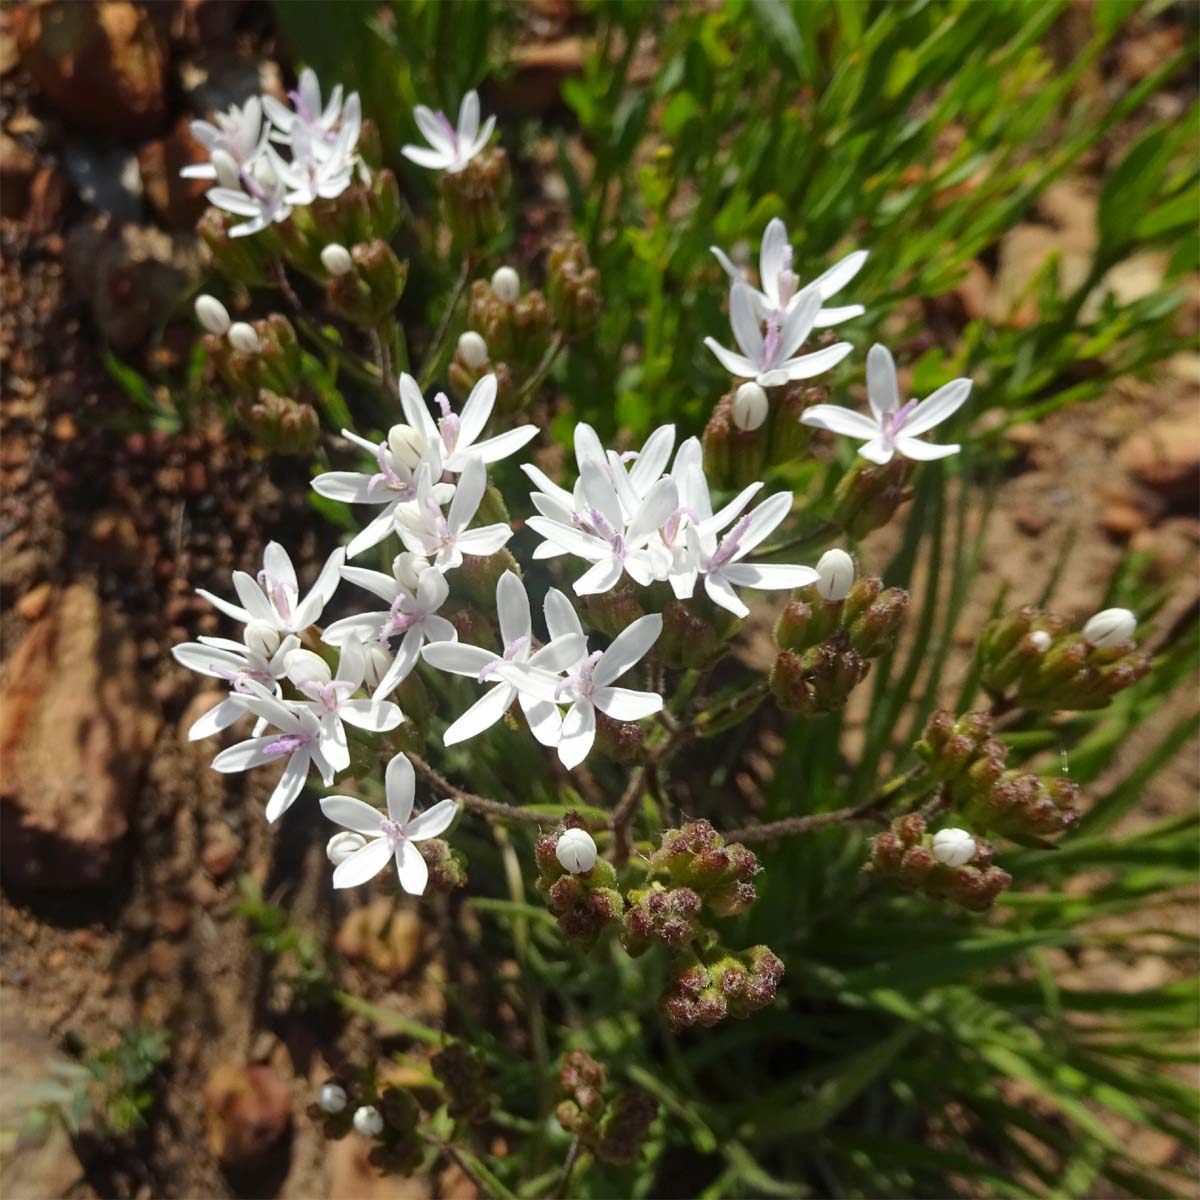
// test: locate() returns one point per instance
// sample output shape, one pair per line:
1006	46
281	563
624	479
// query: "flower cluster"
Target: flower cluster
611	1124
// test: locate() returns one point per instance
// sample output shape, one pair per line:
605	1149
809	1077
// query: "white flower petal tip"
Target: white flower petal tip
576	851
1110	627
332	1099
506	283
336	260
1041	640
750	406
835	575
342	845
953	847
212	315
368	1121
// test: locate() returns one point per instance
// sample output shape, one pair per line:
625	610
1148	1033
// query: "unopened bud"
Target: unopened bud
226	167
243	338
406	444
378	663
332	1098
342	845
750	406
261	638
506	283
1040	640
1110	628
368	1121
408	568
212	314
472	349
835	569
576	851
336	259
953	847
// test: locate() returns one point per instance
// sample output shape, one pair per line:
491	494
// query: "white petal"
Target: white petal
483	714
840	420
503	444
459	658
289	787
798	322
743	316
883	389
578	734
876	451
652	460
512	607
332	741
832	281
252	597
400	783
245	755
936	408
624	704
471	485
435	160
476	410
808	365
432	129
352	487
661	501
720	592
487	539
731	511
416	411
597	580
378	716
769	576
352	813
725	261
598	488
772	256
545	721
735	364
386	587
561	617
545	484
920	451
432	821
208	660
562	652
363	864
224	606
628	648
573	541
219	717
835	316
411	868
763	521
363	627
468	117
278	563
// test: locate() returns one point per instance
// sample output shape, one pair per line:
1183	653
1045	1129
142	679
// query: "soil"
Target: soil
141	518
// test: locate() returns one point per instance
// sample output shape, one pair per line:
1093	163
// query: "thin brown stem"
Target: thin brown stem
568	1166
446	1148
479	804
540	371
279	274
622	816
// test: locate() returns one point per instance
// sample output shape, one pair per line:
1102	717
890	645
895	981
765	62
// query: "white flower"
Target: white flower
332	1098
342	845
459	658
238	136
780	287
452	149
835	571
299	738
721	562
426	530
576	851
275	599
316	169
243	338
767	358
1110	627
212	314
589	686
308	115
411	615
457	434
262	204
472	349
390	837
335	258
368	1121
260	659
395	482
506	283
953	847
892	428
750	406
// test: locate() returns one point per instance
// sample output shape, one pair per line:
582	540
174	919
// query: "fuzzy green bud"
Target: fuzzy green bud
868	495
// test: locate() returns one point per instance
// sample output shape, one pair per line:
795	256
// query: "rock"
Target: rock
1122	520
386	937
47	198
220	850
1165	456
249	1109
1032	520
33	604
103	65
1171	547
106	177
177	202
76	728
20	163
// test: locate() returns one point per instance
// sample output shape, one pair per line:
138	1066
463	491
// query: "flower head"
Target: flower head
1110	627
575	851
451	147
835	575
892	428
953	847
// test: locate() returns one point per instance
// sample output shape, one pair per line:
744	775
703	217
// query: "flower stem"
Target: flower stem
433	355
479	804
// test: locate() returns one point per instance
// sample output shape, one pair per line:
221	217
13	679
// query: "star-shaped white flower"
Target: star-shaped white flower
275	599
392	837
451	148
399	460
721	562
779	286
456	434
769	358
459	658
425	529
234	140
892	428
411	615
320	123
316	170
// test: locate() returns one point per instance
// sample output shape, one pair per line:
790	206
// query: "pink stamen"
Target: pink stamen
581	681
772	339
393	831
287	743
787	280
893	422
449	130
731	543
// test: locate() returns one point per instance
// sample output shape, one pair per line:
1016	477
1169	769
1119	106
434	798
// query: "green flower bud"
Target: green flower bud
279	424
475	199
573	287
868	495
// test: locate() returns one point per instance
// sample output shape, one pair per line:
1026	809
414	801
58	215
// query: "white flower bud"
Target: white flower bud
406	444
228	172
1110	628
749	406
367	1121
1041	639
836	570
342	845
378	660
302	665
336	259
264	173
506	283
408	567
953	847
472	349
243	338
212	314
576	851
332	1099
261	638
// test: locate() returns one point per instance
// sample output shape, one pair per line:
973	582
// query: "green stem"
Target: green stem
433	355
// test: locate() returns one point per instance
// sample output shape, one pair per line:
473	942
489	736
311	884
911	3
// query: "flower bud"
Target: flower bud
336	259
573	286
1110	628
953	847
1040	640
228	174
261	638
576	851
472	349
342	845
368	1121
378	662
506	283
243	338
332	1098
750	406
868	495
212	314
408	567
835	569
476	198
407	445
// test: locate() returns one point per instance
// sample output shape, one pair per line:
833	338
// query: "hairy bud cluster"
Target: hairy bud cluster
461	1074
367	293
906	855
731	985
517	331
697	856
868	495
573	286
866	620
389	1117
1045	665
476	198
694	631
584	902
611	1125
447	867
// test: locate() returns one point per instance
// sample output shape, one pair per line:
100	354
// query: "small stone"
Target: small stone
220	851
33	604
1165	456
249	1111
384	936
